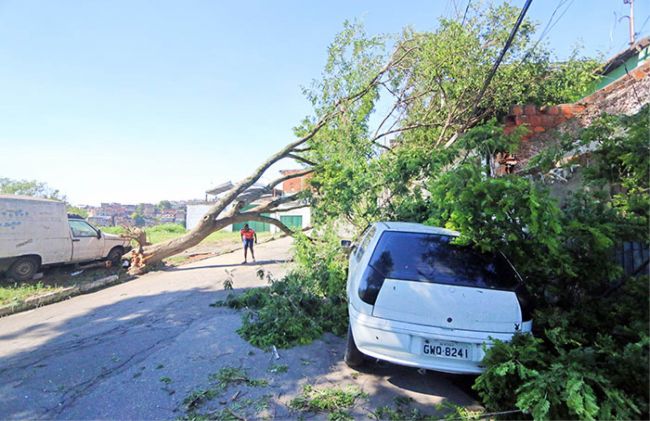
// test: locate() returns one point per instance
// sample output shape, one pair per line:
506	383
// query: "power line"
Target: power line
493	71
513	32
549	25
643	26
465	14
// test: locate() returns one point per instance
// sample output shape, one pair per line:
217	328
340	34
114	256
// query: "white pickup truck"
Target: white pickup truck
37	232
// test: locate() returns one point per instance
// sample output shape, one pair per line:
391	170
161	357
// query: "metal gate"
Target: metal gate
292	221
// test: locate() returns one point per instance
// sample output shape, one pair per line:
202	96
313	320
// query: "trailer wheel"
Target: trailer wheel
24	268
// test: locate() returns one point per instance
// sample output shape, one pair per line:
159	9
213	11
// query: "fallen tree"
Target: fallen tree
430	85
228	209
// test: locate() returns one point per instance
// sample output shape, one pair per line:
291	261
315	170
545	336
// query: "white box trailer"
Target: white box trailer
37	232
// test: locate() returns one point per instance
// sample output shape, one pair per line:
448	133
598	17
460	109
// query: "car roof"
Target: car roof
413	227
27	198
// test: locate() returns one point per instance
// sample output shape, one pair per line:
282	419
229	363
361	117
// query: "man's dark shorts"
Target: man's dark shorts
248	243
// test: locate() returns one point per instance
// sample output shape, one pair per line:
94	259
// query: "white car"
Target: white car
416	299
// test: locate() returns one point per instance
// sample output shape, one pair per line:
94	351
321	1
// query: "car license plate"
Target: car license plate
446	349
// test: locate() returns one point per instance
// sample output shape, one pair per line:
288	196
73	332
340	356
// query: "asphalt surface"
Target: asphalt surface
138	350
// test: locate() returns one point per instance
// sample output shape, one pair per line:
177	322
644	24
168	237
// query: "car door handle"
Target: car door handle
74	240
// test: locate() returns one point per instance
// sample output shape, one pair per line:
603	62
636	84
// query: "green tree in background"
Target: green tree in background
32	188
36	188
164	205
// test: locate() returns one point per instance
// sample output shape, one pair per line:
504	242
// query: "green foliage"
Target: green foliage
335	401
559	380
37	188
15	293
403	411
278	368
622	160
228	376
30	188
138	219
76	210
509	213
590	357
288	313
304	304
198	397
322	262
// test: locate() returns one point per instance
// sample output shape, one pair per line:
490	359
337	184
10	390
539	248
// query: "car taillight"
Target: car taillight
370	284
525	303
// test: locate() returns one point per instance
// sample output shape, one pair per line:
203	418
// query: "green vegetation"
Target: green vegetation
403	411
37	188
228	376
334	401
33	188
55	279
17	292
237	407
278	368
198	397
589	354
300	307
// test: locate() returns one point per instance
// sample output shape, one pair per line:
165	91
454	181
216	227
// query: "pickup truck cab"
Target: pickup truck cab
37	232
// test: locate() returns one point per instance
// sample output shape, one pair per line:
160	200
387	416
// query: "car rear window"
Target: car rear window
432	258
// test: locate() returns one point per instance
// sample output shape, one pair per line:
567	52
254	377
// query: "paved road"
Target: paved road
137	350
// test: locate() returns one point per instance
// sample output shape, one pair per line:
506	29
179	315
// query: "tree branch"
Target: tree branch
275	203
301	206
301	159
260	218
402	129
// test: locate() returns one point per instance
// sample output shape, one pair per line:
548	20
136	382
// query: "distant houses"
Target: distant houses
146	214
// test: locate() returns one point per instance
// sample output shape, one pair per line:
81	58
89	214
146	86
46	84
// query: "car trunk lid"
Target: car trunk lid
448	306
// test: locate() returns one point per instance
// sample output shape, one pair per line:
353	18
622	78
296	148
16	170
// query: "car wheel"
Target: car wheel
115	255
353	357
23	269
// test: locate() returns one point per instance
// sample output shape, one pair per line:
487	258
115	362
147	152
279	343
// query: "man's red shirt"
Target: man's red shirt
248	235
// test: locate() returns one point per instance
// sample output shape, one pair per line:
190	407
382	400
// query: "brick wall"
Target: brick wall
625	96
295	184
540	119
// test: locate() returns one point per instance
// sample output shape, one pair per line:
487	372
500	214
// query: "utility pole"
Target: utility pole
630	17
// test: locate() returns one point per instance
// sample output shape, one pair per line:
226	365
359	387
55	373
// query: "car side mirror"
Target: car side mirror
99	234
347	245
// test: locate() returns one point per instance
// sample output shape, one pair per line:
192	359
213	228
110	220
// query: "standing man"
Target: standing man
247	237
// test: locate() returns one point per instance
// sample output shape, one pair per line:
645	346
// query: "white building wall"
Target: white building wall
195	213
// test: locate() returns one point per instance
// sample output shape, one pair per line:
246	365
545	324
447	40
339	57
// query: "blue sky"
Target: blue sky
139	101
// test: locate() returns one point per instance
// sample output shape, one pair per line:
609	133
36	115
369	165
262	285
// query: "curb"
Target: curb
65	293
54	297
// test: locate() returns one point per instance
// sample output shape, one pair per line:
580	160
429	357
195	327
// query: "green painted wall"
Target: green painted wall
257	226
292	221
630	63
